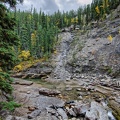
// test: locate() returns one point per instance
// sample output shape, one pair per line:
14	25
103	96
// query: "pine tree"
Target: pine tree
8	39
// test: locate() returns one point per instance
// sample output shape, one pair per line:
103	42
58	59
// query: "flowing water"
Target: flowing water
60	71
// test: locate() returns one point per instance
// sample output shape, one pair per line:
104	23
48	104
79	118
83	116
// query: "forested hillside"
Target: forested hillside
37	31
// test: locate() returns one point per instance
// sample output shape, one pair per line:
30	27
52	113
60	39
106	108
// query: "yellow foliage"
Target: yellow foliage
97	10
26	64
29	16
24	55
0	69
33	37
105	4
110	38
2	78
72	20
18	68
55	52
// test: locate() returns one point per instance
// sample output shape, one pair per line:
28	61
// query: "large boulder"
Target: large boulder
97	112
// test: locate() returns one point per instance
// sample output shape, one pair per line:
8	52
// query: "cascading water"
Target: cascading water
60	71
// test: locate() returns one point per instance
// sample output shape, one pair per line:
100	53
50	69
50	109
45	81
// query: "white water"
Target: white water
60	72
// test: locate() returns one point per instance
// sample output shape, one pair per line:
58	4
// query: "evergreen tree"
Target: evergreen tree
8	39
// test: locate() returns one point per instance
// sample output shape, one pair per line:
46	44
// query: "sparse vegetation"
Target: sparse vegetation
10	105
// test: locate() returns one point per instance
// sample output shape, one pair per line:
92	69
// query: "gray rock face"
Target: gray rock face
107	58
96	55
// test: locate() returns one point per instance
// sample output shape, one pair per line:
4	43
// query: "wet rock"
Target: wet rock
45	91
22	82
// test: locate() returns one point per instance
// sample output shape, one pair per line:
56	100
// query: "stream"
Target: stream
60	72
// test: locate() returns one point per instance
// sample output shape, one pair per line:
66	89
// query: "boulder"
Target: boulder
45	91
96	112
22	82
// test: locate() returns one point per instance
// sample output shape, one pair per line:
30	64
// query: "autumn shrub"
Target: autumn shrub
24	55
110	38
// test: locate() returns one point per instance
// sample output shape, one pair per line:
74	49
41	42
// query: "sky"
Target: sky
50	6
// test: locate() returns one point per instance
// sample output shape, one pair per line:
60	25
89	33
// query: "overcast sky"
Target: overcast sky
50	6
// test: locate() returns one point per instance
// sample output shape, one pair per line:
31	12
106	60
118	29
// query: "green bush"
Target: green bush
10	105
5	82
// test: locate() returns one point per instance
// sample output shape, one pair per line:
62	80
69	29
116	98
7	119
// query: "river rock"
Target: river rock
71	112
44	101
62	113
22	82
45	91
97	111
81	109
34	114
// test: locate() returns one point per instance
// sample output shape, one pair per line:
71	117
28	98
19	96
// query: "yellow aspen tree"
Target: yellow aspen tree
97	9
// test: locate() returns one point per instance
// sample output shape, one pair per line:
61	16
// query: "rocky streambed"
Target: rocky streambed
89	98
